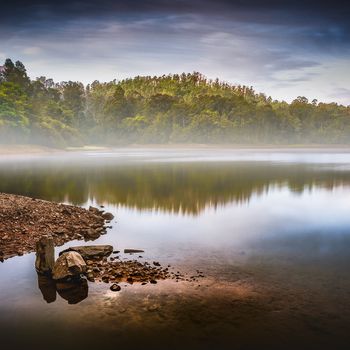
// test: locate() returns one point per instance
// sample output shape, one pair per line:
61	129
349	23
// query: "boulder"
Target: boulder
91	251
70	264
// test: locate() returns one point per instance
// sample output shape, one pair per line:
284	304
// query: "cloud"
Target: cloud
31	50
280	47
342	93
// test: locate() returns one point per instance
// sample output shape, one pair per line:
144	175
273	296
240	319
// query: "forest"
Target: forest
174	108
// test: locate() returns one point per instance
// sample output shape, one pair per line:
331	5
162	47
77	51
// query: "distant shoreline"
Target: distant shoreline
38	150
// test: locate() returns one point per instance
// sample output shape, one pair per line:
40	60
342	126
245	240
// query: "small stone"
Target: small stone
153	281
115	287
108	216
152	308
105	278
90	277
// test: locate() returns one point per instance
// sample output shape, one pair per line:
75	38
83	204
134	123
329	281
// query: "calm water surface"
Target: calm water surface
269	229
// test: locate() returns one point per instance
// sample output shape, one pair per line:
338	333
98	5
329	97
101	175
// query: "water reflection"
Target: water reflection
47	287
180	187
73	291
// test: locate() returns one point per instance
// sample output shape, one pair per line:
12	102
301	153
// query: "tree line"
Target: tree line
174	108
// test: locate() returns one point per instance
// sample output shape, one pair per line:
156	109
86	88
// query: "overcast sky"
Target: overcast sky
283	48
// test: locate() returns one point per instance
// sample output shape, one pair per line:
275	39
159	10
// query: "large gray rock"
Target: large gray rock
91	251
70	264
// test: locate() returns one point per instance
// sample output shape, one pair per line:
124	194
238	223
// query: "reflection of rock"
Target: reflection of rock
47	287
70	264
88	252
74	292
45	255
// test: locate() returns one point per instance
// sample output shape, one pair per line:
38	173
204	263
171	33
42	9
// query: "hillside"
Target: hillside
186	108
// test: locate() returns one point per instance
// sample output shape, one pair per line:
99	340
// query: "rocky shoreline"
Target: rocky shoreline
77	265
24	220
28	225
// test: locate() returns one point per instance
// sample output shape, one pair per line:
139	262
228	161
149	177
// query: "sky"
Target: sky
282	48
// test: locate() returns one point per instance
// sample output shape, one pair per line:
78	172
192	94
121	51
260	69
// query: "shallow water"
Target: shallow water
269	229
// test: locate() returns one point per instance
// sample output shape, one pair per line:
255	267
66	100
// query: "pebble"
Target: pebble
115	287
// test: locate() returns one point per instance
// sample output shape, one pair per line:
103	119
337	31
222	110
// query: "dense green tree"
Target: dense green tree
171	108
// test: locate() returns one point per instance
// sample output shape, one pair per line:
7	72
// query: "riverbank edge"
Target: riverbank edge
24	220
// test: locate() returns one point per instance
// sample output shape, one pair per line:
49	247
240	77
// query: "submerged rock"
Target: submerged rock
70	264
91	251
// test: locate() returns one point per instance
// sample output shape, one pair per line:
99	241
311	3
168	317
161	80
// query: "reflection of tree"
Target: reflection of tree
177	187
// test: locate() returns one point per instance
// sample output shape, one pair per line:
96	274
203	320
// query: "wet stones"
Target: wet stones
130	271
111	270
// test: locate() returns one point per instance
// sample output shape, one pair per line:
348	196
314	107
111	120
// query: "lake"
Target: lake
269	229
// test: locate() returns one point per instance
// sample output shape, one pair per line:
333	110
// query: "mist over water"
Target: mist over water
273	223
